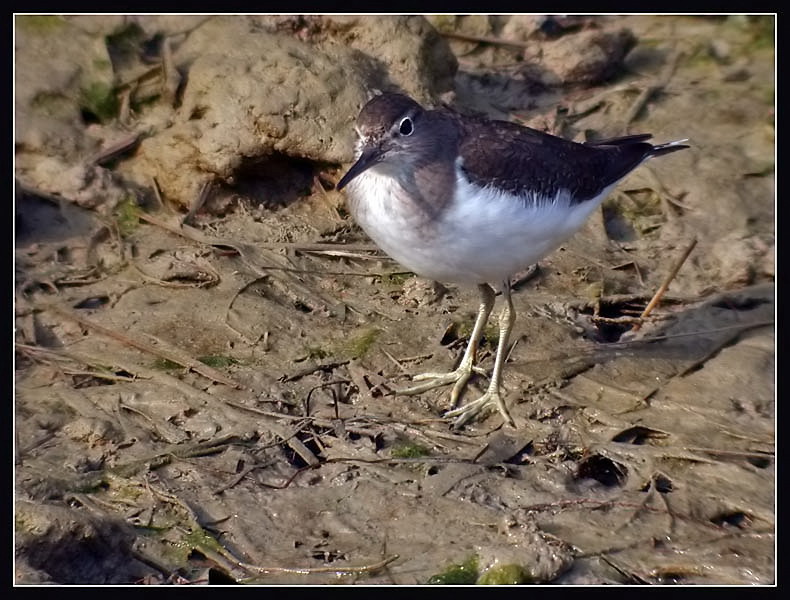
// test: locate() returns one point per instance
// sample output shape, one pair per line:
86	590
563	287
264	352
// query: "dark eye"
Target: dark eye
406	126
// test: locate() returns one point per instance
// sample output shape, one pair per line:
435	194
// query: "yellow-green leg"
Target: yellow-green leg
461	375
492	396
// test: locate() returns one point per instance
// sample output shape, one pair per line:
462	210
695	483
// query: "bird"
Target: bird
468	200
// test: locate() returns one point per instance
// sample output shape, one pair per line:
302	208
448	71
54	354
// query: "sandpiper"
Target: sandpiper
468	200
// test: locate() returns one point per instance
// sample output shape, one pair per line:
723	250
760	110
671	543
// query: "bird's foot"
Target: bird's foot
468	411
459	377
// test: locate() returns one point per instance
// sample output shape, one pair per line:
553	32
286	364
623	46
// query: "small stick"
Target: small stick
171	78
416	358
483	39
307	570
199	202
665	285
734	453
326	366
318	387
615	299
624	320
394	360
157	193
652	89
115	150
740	327
125	110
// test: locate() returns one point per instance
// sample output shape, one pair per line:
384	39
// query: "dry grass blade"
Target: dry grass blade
259	260
51	356
307	570
176	357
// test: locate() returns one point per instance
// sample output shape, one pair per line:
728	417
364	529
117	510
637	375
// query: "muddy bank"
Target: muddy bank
207	345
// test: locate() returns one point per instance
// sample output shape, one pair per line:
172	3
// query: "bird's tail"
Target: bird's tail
639	139
669	147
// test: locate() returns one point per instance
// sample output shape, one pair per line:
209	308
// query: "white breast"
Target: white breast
483	235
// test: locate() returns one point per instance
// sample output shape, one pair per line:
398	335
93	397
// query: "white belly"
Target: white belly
482	236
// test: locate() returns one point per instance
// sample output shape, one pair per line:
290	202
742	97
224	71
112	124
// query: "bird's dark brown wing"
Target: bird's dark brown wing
521	160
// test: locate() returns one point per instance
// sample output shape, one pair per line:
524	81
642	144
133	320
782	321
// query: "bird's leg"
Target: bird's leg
492	396
461	375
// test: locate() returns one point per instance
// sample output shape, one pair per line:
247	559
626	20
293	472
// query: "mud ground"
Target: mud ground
212	401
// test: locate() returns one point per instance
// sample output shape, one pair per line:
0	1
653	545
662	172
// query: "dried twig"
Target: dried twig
226	320
624	320
730	453
295	443
357	373
157	193
259	260
205	192
325	366
395	360
307	570
198	236
328	423
115	150
176	357
650	90
665	285
321	386
740	328
125	108
204	276
584	107
171	78
37	352
616	299
483	39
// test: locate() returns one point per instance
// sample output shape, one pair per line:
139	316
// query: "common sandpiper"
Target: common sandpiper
468	200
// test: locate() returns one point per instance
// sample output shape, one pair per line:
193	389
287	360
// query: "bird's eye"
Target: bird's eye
406	126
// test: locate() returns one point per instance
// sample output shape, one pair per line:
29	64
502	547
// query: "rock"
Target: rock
588	57
87	185
738	71
522	27
742	258
418	292
417	59
720	50
471	25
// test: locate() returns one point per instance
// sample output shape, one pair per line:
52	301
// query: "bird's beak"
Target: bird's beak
368	158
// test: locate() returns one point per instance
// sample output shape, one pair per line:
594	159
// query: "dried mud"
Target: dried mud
212	402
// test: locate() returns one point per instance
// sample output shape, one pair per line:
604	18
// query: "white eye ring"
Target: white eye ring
406	126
